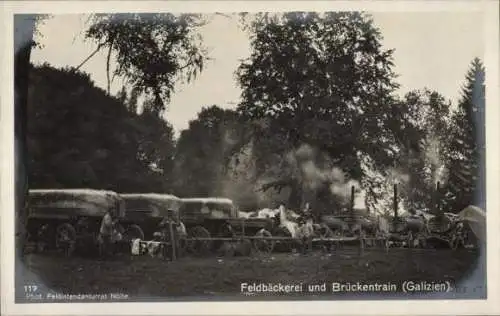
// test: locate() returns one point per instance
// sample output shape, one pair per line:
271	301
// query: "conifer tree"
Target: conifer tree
466	157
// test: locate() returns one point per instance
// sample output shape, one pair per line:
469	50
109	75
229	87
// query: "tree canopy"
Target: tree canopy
466	157
78	136
153	51
319	113
203	149
323	80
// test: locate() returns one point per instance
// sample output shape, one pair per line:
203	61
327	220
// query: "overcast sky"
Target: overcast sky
432	49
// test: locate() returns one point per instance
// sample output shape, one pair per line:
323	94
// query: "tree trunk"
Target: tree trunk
23	41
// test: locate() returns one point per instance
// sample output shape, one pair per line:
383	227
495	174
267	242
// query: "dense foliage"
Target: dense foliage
202	151
78	136
323	81
467	152
153	51
319	114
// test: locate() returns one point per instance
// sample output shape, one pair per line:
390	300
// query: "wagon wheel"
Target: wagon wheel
133	232
66	238
263	246
199	247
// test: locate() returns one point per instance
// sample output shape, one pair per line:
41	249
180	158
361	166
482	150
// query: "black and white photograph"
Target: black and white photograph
246	155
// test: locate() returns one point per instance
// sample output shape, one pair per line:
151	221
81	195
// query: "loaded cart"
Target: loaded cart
148	218
210	221
67	220
447	229
144	213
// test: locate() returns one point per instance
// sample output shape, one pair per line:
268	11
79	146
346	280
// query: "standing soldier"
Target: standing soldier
168	223
306	226
106	232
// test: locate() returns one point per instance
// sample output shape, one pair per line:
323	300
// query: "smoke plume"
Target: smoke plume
316	170
433	156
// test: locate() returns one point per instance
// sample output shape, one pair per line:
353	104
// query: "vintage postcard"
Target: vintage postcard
221	157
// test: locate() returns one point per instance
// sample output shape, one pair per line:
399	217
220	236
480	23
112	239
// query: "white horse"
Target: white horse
291	226
301	232
242	214
267	213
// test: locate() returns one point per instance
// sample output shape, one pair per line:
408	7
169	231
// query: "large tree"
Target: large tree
153	51
318	79
421	123
466	158
203	150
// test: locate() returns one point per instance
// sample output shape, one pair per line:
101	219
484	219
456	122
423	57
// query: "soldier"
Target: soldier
108	228
306	227
170	221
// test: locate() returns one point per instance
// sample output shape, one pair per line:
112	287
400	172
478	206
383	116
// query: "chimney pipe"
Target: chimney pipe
395	201
352	200
437	195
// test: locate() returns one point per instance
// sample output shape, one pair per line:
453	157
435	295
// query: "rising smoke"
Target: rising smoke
433	156
313	169
316	170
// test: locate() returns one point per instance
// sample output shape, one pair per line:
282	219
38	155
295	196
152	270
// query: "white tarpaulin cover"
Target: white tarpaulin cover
476	218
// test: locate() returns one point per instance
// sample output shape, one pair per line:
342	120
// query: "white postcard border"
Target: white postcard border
433	307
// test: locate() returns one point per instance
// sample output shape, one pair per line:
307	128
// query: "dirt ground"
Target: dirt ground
200	277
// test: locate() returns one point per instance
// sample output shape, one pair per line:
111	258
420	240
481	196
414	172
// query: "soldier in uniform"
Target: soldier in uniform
306	228
107	231
170	221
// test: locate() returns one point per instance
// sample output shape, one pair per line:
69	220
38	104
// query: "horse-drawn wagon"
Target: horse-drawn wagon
448	229
145	212
358	223
209	220
409	230
154	219
69	219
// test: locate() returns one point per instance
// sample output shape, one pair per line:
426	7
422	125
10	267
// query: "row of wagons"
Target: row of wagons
60	217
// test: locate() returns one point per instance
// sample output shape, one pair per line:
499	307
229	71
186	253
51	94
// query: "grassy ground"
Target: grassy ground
152	277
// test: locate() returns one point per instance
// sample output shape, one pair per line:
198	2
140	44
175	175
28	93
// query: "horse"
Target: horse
335	224
302	232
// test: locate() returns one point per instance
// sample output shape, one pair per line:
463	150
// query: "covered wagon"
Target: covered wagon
454	229
69	219
145	212
218	217
409	229
154	217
